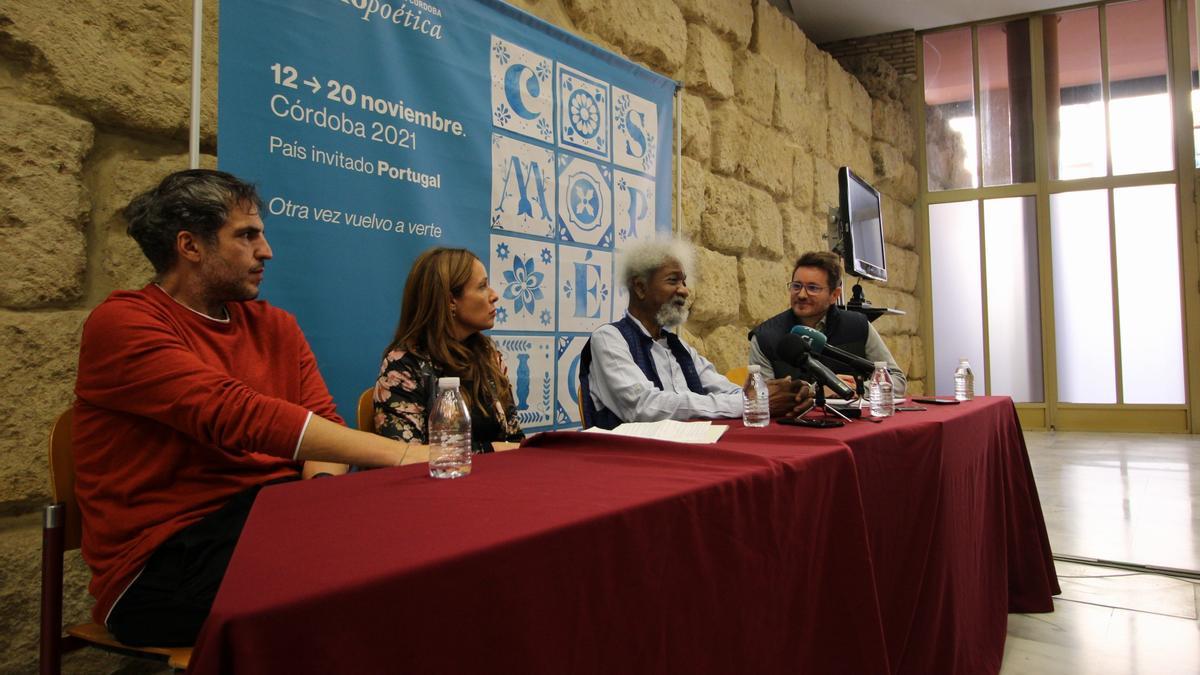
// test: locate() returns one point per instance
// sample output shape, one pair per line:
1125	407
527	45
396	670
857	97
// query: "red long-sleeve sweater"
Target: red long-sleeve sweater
176	412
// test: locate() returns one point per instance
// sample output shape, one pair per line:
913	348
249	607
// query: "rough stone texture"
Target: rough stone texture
763	294
779	39
916	388
902	187
800	233
891	123
726	222
125	64
716	291
917	369
860	161
696	129
652	32
727	347
802	179
889	162
21	559
768	226
816	69
728	138
42	204
766	159
732	18
877	76
904	268
841	139
693	179
909	324
37	380
898	224
121	66
825	196
801	114
901	348
709	69
691	338
755	86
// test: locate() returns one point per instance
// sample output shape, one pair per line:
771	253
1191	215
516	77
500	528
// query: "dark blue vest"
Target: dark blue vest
639	348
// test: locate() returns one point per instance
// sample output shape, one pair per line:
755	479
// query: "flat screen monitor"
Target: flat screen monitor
861	227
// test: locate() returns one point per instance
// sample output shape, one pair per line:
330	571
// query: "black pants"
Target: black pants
169	601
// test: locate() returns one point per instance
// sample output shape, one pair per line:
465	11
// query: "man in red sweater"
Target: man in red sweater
190	397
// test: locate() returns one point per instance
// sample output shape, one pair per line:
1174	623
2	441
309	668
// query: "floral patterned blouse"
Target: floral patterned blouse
403	393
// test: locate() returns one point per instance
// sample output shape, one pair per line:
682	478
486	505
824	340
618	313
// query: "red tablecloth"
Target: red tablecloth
895	547
954	523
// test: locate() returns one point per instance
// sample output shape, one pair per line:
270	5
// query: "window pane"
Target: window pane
1014	319
1195	77
957	296
1148	290
1073	94
949	110
1006	103
1139	107
1083	310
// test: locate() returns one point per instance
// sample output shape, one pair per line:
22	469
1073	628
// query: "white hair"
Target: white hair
642	258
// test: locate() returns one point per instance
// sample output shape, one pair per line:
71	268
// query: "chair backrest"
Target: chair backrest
62	477
738	375
366	410
579	397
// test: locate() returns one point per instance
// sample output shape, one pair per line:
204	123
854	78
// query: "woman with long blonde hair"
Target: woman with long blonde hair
447	304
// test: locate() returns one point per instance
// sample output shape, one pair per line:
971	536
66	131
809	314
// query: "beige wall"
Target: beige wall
94	106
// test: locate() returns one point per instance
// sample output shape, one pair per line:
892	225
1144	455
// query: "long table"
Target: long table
876	548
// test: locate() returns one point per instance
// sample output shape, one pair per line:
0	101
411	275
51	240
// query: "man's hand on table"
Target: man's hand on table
789	397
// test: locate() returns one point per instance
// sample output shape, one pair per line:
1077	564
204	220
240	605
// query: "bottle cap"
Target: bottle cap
750	370
962	359
447	383
881	364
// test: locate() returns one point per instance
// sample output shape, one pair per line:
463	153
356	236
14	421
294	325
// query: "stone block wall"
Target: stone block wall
898	49
94	107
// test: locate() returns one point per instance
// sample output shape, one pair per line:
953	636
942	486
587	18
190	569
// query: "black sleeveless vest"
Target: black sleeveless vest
844	329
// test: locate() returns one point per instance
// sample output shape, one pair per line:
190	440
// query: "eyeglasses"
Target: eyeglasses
813	289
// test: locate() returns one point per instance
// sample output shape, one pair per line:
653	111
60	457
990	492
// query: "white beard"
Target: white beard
672	314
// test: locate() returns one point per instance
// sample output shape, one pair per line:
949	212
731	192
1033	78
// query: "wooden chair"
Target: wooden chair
61	532
366	410
738	375
579	397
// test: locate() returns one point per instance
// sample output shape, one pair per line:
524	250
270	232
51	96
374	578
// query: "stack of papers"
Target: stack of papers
667	430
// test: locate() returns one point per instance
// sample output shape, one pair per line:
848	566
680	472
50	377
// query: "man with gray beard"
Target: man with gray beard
637	370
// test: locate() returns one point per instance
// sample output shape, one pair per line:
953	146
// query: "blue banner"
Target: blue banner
377	129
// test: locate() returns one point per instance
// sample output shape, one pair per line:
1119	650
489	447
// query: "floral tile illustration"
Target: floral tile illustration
635	131
583	113
523	196
584	289
523	273
522	93
585	213
531	372
566	410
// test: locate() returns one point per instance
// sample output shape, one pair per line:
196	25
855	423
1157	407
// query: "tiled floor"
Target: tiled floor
1124	497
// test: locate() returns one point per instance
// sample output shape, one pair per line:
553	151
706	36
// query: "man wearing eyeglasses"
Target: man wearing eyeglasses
813	291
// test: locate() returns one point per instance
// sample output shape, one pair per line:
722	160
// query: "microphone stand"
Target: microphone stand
820	403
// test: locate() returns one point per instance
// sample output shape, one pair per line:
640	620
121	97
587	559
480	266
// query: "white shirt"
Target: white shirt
616	382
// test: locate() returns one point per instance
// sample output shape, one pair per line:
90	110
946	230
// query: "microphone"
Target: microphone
797	350
820	345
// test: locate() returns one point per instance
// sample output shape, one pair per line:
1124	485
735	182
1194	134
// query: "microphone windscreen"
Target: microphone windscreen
792	347
817	339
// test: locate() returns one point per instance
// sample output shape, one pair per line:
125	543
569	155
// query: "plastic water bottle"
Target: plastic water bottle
879	390
756	408
449	432
964	381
